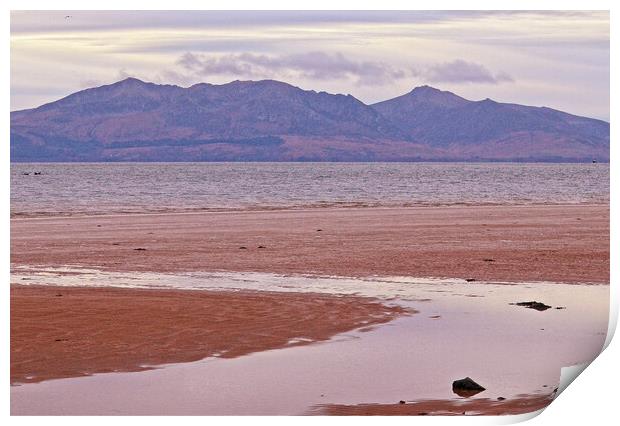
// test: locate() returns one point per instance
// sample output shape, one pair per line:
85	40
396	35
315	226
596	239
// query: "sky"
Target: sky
545	58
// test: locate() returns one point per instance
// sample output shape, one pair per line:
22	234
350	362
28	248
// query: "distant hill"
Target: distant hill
267	120
492	130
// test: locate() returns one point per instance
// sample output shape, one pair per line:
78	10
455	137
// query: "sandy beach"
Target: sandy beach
487	407
562	243
67	332
59	332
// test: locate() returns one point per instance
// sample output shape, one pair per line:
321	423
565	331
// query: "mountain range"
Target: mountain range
132	120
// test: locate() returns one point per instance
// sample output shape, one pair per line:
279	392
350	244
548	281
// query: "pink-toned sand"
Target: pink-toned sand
484	406
96	330
554	243
67	332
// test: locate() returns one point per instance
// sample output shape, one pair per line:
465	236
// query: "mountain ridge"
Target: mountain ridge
269	120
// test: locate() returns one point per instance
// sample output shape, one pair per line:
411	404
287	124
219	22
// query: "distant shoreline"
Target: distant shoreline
300	208
438	161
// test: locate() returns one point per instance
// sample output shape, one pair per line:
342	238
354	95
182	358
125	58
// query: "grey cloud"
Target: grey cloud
460	71
208	65
312	65
333	66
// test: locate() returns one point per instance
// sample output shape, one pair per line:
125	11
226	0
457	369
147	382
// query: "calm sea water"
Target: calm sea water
87	188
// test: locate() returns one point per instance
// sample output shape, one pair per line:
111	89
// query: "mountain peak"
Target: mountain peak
425	89
130	81
129	84
259	83
428	94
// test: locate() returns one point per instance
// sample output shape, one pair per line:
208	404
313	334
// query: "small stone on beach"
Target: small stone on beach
140	249
466	387
243	248
469	280
539	306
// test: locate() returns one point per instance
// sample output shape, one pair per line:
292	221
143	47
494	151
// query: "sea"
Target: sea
49	189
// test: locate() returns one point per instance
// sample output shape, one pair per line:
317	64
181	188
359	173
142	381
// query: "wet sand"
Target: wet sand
487	407
557	243
92	330
510	350
68	332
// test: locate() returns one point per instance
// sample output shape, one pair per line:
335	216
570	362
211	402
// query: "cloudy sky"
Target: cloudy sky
555	59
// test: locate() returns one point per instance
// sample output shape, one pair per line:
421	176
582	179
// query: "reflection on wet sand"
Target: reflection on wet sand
412	358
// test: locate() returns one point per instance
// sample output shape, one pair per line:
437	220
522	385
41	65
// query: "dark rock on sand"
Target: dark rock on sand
560	307
261	247
401	402
539	306
466	387
469	280
489	260
243	248
501	398
140	249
